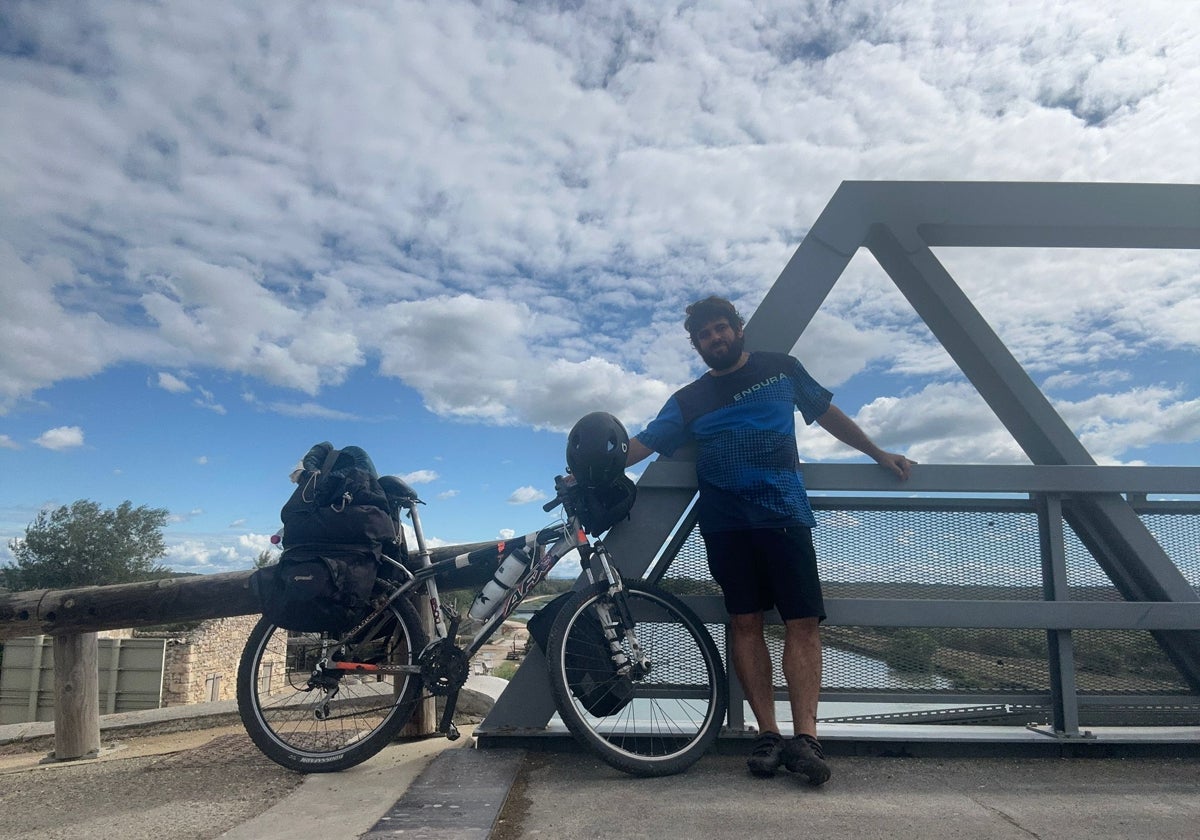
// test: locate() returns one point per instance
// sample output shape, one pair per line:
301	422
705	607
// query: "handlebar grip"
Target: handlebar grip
552	504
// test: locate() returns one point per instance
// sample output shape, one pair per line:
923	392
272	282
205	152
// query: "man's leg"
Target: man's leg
802	671
752	663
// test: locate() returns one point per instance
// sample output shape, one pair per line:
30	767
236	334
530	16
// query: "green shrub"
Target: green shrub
910	650
505	670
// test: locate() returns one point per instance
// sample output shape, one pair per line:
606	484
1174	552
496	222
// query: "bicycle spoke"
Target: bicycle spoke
307	717
671	714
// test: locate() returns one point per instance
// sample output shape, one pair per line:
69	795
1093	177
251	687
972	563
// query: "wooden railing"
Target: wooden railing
73	617
58	612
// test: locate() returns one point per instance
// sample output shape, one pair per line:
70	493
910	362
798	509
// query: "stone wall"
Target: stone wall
201	665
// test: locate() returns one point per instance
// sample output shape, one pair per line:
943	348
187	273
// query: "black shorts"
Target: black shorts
761	568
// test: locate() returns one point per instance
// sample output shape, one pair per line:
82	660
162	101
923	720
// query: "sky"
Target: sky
444	231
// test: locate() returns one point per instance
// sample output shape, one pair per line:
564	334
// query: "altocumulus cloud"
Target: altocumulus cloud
505	206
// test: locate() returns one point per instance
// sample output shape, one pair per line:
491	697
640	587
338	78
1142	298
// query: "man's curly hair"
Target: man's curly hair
710	309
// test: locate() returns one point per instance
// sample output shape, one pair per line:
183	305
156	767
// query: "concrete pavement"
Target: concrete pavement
563	795
211	783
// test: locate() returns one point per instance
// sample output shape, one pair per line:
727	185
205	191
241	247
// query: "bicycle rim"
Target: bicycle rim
312	730
676	710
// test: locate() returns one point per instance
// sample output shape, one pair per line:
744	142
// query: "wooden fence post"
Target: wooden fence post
76	697
425	719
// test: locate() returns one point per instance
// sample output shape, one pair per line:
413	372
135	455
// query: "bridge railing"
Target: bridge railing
1011	550
1001	601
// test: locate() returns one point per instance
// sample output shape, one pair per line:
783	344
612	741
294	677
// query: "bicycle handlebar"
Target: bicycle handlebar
563	485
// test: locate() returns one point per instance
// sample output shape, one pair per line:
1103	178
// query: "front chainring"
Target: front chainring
444	667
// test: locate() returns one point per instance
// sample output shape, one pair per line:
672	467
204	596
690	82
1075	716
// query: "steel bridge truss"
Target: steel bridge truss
1067	493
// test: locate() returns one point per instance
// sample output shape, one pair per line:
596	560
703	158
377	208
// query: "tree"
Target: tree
85	545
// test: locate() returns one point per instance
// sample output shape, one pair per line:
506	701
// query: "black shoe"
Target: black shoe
767	754
803	754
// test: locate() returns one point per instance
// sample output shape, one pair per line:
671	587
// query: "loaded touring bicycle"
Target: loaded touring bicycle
636	677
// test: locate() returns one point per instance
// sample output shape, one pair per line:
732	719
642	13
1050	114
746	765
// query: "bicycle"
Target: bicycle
339	701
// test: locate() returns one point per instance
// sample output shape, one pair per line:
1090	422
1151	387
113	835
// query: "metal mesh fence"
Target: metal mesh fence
1177	532
973	550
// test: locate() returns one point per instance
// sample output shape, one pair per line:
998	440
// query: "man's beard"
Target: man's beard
724	357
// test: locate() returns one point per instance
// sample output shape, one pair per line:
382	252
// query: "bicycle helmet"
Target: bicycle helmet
596	449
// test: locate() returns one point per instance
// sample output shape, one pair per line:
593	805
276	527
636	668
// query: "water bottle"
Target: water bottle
506	576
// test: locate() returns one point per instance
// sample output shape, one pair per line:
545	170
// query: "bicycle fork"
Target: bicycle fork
639	665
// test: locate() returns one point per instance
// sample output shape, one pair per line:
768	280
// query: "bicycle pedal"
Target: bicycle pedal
452	733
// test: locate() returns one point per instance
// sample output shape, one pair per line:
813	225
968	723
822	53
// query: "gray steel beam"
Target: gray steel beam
960	478
1055	587
1011	615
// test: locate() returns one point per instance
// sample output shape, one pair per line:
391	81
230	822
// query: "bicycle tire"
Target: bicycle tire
284	718
677	709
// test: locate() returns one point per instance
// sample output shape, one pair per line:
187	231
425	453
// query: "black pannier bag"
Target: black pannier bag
592	674
336	526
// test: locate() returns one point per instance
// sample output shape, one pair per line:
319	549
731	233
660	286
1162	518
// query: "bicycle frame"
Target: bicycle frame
545	548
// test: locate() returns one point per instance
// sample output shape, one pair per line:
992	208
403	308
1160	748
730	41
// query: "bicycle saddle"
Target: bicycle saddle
398	491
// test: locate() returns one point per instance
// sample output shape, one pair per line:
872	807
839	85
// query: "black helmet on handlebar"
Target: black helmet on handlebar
596	449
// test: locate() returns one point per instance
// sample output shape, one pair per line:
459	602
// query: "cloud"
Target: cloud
8	443
203	557
950	423
484	373
208	400
202	460
63	437
420	477
530	196
310	410
1110	425
525	495
174	384
447	494
215	554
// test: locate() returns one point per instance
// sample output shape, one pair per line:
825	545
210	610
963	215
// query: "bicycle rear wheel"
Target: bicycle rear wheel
315	721
677	708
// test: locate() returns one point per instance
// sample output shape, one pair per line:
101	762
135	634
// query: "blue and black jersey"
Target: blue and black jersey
744	427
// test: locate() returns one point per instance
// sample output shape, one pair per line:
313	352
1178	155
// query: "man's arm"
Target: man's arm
835	421
638	451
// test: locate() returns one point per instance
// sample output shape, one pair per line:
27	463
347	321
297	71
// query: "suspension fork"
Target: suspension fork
639	665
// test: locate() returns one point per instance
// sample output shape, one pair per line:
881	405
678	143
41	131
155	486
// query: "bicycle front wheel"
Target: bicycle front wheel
314	720
661	722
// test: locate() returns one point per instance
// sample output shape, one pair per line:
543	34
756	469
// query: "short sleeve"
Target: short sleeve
666	432
809	396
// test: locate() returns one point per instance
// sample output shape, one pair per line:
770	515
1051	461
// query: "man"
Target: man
755	516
